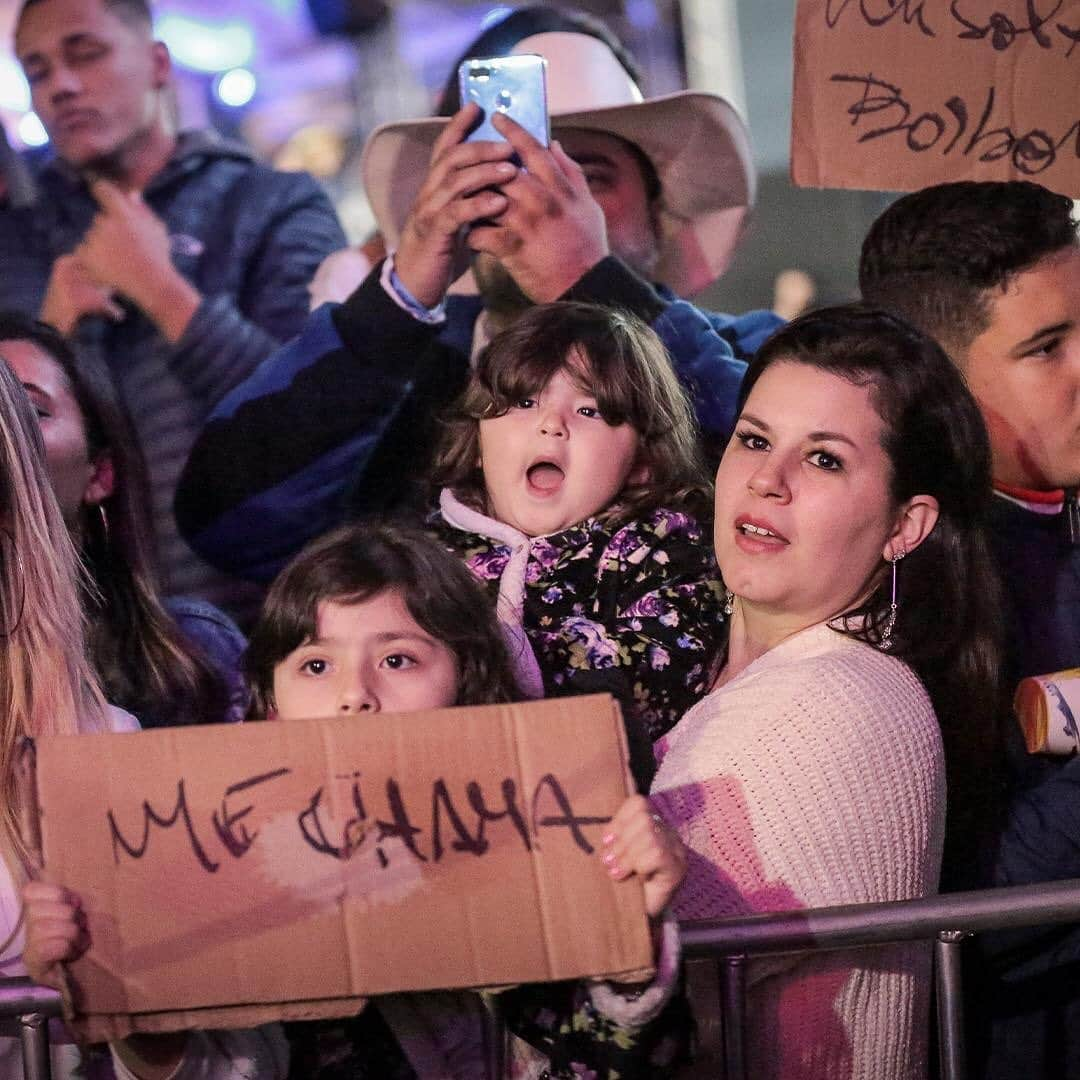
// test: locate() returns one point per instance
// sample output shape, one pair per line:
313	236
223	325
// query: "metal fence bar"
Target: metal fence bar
733	1011
952	1048
855	925
947	918
31	1006
20	995
34	1036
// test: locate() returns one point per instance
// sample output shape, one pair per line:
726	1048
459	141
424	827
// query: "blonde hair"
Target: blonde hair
47	686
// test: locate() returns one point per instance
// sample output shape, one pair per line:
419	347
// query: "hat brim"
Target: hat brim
696	142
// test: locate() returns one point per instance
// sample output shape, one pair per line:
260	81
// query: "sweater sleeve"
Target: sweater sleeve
769	780
275	460
229	335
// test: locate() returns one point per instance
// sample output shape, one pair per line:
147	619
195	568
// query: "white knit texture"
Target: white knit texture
815	778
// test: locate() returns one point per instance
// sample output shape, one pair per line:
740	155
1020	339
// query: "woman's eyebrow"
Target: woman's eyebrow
832	436
815	436
756	421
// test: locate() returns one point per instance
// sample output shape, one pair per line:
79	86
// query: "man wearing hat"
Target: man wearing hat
630	192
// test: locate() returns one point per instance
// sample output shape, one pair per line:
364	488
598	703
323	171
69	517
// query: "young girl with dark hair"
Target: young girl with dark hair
372	620
168	661
572	486
350	568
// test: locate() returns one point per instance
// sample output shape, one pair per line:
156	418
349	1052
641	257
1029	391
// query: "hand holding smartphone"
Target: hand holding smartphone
513	85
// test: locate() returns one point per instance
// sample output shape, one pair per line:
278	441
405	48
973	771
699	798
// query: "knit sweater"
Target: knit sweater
814	778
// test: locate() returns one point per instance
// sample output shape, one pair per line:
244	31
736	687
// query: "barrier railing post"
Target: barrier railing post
733	1009
34	1035
950	1004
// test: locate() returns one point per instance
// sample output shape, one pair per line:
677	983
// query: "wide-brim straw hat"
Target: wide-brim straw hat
697	144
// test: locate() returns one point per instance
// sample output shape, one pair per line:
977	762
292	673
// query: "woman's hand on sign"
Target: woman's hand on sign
56	931
639	844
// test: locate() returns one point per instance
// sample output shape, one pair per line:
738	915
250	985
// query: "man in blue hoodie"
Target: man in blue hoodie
172	255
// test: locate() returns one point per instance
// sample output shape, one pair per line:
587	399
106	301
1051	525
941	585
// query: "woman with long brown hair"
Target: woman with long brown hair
167	660
860	670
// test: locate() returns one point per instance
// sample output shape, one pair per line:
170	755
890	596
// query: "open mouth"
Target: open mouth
760	532
544	477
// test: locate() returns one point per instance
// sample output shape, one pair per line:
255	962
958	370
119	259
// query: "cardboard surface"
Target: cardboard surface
895	95
252	871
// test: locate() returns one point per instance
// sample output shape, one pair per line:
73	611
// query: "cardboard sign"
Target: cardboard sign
237	873
896	95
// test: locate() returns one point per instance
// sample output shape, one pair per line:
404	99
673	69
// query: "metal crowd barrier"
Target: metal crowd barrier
946	920
31	1007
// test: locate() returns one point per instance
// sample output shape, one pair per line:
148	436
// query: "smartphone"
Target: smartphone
515	85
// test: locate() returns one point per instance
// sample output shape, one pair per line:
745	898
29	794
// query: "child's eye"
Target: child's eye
314	666
525	403
752	441
399	661
824	460
591	411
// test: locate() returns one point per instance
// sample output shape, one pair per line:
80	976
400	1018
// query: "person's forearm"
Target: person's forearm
170	302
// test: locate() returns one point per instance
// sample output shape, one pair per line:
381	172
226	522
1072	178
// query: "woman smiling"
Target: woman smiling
861	667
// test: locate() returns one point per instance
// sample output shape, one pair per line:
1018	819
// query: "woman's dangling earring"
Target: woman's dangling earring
886	637
729	602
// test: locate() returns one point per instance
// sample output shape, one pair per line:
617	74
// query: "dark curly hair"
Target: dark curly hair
934	255
359	561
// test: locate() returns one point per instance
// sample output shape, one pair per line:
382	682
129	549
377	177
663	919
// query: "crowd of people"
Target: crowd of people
506	457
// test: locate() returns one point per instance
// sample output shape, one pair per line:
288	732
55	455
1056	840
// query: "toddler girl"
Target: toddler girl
368	620
572	486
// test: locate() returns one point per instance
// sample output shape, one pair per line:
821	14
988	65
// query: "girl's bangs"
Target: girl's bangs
521	377
525	376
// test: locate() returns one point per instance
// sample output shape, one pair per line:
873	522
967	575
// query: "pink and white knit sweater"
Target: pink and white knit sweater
815	778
